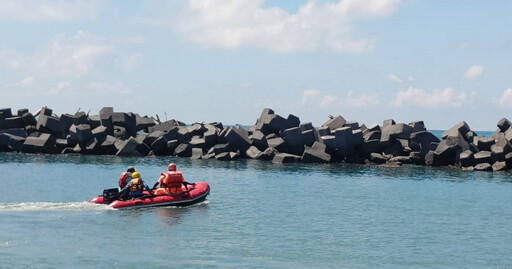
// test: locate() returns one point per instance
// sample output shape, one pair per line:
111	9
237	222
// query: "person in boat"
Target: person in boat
126	177
134	188
171	182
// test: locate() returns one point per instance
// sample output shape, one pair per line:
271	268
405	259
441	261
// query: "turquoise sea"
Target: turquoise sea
258	215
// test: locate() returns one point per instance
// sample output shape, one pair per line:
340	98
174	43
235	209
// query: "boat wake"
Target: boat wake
53	206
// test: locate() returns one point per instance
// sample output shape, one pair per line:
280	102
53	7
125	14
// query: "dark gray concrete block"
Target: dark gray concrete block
460	128
238	139
277	143
417	126
334	123
484	143
499	166
352	125
306	126
508	134
388	122
183	135
128	148
377	158
120	132
197	153
198	142
164	126
285	158
151	137
395	131
5	112
99	131
316	153
395	148
172	145
66	120
310	136
293	139
466	159
31	129
196	129
291	122
227	156
49	124
94	121
498	153
508	160
261	120
80	133
183	150
107	145
211	135
106	112
159	146
15	142
29	119
13	122
61	144
372	135
253	152
208	156
268	154
483	157
80	118
92	146
483	167
220	148
143	123
504	124
42	144
324	131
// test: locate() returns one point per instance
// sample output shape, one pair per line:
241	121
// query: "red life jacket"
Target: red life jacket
172	181
122	179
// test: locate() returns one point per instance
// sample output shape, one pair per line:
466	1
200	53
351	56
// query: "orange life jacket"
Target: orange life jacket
172	181
136	184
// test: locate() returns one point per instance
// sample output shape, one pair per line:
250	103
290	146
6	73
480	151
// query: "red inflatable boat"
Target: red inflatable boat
195	194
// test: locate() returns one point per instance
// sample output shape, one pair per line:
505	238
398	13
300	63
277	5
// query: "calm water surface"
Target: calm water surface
258	215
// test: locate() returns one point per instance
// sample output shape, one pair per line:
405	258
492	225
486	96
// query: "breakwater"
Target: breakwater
273	137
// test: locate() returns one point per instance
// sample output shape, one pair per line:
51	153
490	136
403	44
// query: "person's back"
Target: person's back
135	187
170	182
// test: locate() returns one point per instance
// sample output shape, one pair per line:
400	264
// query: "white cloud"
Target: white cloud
474	71
314	97
506	98
60	88
363	100
395	78
27	80
73	55
310	96
317	26
48	11
438	98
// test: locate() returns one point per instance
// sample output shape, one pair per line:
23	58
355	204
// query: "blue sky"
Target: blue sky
437	61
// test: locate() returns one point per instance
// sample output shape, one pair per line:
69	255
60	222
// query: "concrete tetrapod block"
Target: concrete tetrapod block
483	157
504	124
261	120
306	126
253	152
499	166
467	159
45	111
92	146
277	143
61	144
151	137
425	140
508	160
293	139
484	143
159	146
172	145
15	142
106	112
196	129
259	140
143	123
13	122
100	131
198	142
197	153
227	156
508	134
352	125
483	167
461	127
80	133
94	121
120	132
334	123
42	144
275	122
377	158
291	122
49	124
370	146
497	153
316	154
238	139
372	135
502	141
107	122
107	145
286	158
28	119
80	118
183	135
417	126
324	131
211	136
5	112
395	131
128	148
309	137
183	150
268	154
219	148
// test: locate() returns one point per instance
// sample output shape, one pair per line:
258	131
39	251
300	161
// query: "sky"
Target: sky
226	60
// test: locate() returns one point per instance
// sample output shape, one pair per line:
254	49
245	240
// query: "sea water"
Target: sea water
258	215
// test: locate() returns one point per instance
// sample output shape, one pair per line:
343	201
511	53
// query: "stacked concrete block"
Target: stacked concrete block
316	153
42	144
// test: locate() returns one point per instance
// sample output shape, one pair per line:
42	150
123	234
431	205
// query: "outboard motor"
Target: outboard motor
110	195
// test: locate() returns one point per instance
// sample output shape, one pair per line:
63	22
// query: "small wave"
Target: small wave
53	206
